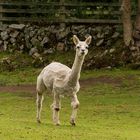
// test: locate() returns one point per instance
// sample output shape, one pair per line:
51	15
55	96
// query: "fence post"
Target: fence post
0	15
62	9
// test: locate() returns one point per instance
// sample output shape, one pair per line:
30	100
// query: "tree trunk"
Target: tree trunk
136	33
127	55
135	46
127	24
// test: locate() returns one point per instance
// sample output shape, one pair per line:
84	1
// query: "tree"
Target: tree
136	34
131	35
126	19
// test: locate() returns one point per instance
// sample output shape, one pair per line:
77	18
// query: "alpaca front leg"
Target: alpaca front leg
39	106
75	105
56	109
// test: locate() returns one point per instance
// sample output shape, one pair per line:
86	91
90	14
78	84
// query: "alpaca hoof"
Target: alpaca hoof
57	124
72	122
38	121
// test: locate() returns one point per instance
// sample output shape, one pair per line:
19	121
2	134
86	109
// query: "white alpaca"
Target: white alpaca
61	80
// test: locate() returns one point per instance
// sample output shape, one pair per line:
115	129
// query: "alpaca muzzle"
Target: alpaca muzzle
82	52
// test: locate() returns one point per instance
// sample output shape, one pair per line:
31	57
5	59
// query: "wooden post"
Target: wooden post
62	9
0	15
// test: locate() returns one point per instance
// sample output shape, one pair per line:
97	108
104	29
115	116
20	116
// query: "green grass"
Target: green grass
29	75
107	112
23	76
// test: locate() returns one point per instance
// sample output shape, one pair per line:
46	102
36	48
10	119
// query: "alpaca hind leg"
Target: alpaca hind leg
39	106
40	90
56	108
75	105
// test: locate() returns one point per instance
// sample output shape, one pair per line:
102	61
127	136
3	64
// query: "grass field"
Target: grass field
108	111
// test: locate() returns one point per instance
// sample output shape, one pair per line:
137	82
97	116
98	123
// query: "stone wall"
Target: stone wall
37	41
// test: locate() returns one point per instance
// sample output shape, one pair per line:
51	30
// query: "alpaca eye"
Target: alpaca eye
78	47
87	47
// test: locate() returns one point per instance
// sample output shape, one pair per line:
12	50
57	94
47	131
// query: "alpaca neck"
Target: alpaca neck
76	69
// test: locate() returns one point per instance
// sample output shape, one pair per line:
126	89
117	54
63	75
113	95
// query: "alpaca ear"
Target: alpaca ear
88	40
75	39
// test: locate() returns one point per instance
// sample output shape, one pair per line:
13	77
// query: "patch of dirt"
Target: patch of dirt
18	88
115	81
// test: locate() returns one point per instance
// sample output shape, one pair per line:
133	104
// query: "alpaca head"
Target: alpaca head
81	46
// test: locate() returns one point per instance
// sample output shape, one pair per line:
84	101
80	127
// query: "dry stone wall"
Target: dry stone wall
39	40
32	38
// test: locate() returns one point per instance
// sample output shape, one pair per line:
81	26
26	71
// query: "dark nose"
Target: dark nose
82	51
